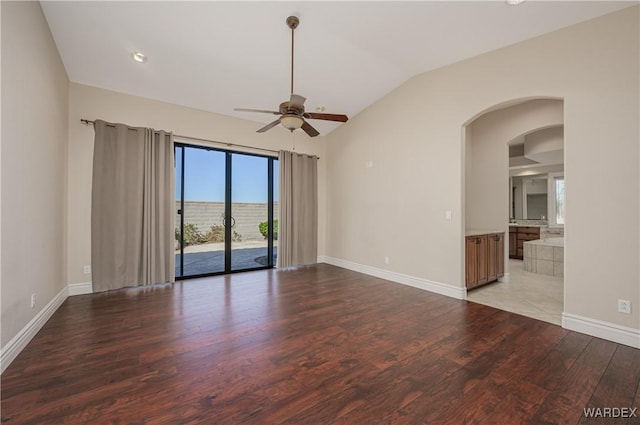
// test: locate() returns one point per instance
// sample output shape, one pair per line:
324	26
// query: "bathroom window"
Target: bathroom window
559	182
557	199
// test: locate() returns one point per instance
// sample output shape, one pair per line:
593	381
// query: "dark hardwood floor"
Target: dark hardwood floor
314	345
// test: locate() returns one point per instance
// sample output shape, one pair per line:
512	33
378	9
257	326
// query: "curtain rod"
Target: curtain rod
87	122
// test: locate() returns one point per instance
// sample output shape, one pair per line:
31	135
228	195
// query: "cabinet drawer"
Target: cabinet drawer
529	231
528	237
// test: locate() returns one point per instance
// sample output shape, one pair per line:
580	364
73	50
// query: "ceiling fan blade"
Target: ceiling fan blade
297	101
269	126
312	132
256	110
326	117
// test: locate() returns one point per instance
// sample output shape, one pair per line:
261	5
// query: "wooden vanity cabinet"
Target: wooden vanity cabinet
513	241
522	235
484	258
476	260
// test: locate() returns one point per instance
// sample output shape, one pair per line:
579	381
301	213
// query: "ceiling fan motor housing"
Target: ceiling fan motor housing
287	108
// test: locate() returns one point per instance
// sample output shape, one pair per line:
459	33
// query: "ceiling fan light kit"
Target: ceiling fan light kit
291	122
292	114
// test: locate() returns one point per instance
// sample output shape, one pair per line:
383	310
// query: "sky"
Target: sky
204	177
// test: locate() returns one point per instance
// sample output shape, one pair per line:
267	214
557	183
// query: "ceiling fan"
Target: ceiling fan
292	114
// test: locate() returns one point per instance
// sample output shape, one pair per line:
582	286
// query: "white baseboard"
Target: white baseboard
10	351
416	282
80	288
605	330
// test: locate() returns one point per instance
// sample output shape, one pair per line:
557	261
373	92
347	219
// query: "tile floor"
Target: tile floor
529	294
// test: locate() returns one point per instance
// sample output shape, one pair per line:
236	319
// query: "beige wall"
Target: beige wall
414	138
34	158
93	103
487	174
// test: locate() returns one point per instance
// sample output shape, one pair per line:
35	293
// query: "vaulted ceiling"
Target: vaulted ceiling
216	56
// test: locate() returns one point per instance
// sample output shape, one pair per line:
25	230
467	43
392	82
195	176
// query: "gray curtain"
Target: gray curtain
298	221
132	207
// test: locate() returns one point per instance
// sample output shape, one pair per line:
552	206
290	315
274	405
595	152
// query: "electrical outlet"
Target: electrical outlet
86	269
624	306
33	300
386	260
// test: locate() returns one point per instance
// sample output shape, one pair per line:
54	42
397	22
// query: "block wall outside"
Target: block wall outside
247	216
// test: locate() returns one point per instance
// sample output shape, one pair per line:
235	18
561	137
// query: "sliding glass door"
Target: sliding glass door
225	203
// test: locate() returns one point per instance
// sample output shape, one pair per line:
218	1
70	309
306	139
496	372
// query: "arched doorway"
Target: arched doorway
513	157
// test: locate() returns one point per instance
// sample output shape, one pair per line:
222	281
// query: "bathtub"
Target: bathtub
555	241
545	256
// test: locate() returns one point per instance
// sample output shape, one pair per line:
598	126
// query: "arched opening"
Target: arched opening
514	187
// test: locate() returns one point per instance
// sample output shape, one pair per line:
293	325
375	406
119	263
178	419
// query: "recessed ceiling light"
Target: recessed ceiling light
139	57
320	108
514	2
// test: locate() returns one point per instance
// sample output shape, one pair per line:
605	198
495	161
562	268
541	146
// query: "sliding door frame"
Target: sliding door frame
228	210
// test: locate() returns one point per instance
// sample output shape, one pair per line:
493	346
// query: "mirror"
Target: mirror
528	197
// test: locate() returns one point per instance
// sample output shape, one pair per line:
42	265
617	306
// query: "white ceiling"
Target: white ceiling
217	56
